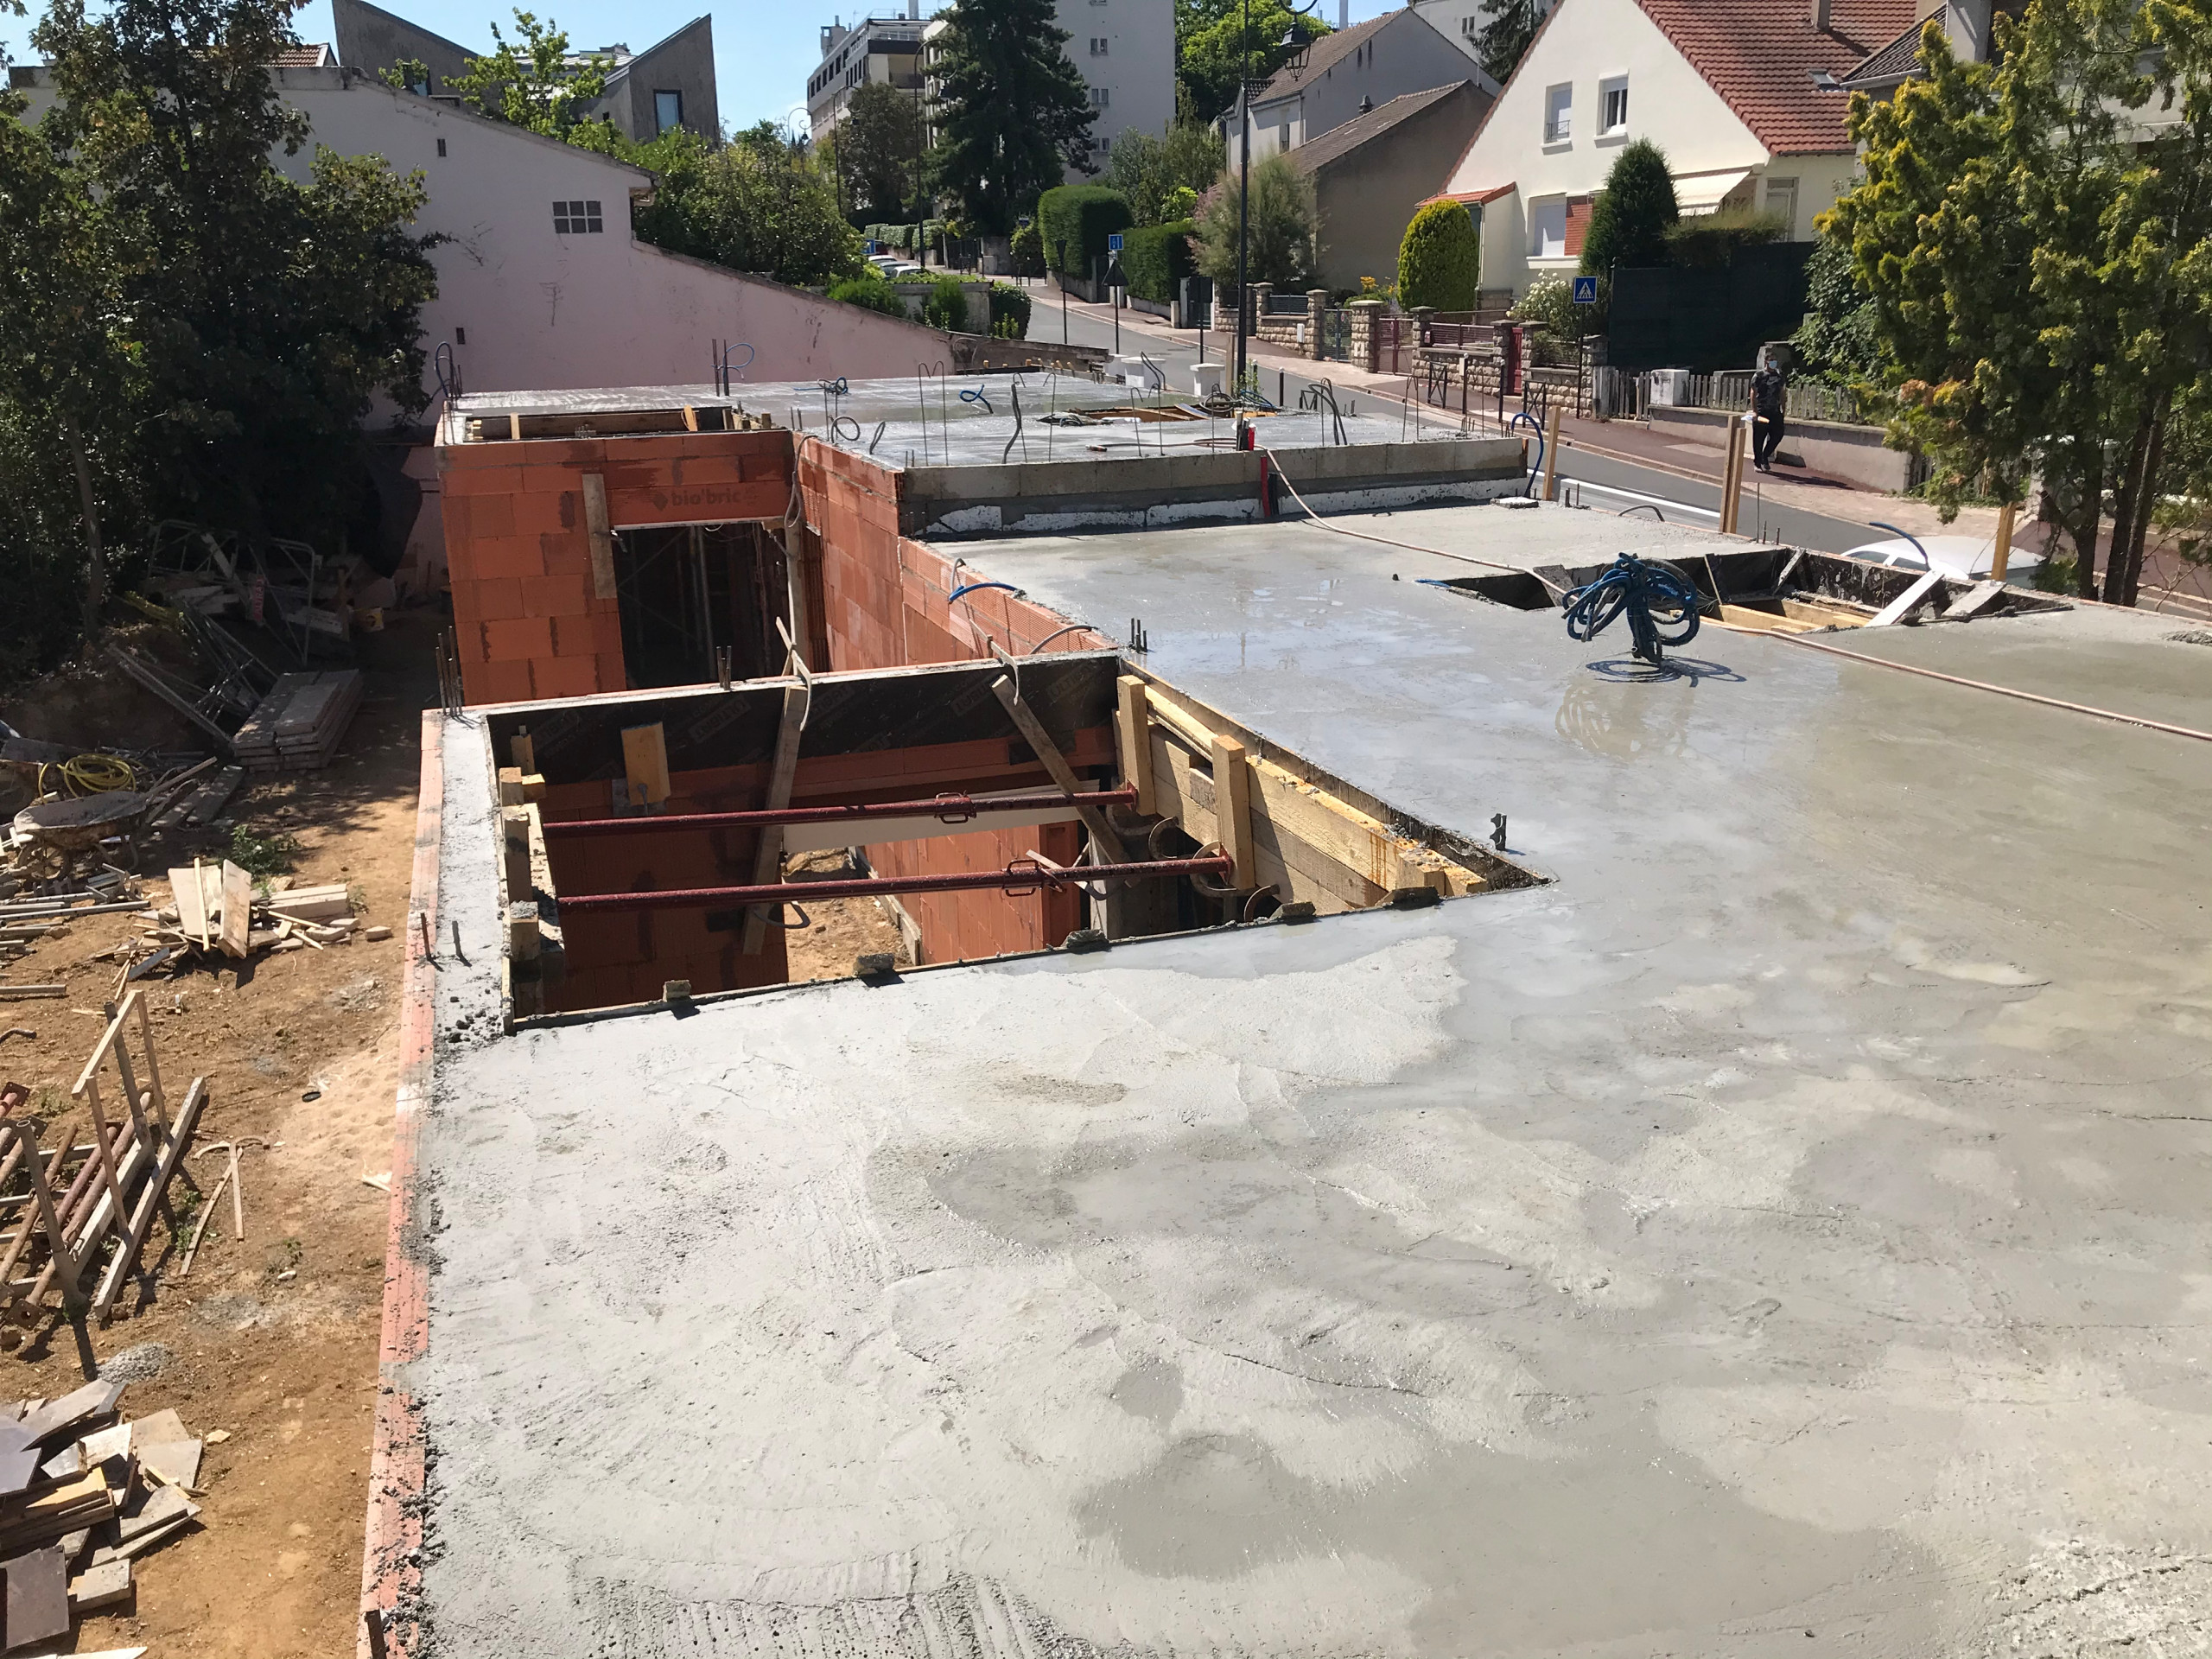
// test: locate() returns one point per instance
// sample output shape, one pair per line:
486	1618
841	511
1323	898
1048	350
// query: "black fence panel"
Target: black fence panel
1707	319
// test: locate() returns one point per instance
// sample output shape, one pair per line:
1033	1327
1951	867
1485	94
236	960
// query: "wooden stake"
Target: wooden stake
768	858
522	748
1732	478
644	758
1551	454
1048	752
1133	730
602	535
2003	553
1232	805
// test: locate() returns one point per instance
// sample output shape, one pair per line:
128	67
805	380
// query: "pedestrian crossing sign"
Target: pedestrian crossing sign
1586	290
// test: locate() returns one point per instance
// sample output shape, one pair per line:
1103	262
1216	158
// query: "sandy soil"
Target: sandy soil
299	1051
841	929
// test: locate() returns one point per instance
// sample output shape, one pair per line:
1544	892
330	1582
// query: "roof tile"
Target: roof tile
1761	59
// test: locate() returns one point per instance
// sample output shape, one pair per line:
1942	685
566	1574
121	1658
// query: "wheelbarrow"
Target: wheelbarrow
52	837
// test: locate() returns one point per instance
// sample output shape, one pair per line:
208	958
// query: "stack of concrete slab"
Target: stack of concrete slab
300	724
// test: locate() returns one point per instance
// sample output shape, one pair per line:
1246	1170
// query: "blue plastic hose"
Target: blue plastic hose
1638	588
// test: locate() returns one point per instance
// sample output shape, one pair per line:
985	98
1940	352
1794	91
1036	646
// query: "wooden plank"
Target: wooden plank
1284	862
768	857
1132	731
238	909
1048	754
1906	602
38	1596
1973	600
2000	554
600	529
100	1586
82	1406
644	762
1232	784
1363	844
25	992
126	1254
522	748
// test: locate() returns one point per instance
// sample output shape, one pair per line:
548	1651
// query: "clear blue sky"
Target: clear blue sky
764	49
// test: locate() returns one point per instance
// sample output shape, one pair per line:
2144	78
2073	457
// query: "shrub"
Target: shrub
1629	220
1075	220
871	292
1441	260
946	306
1181	202
1009	312
1549	304
1711	241
1283	248
1028	251
1157	259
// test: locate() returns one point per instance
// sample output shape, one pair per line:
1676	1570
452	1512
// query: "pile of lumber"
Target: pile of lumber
220	907
299	725
83	1494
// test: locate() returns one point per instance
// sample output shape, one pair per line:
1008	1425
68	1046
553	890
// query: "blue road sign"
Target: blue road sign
1113	242
1586	290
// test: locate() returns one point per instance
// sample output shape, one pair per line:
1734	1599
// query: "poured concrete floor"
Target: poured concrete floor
1790	1225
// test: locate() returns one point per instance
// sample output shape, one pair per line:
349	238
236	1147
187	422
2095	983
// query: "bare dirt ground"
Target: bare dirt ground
839	930
301	1051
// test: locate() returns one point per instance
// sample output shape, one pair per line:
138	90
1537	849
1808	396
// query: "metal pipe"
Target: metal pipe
1015	877
951	808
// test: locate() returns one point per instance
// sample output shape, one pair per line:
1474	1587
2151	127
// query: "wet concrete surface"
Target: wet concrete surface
1789	1224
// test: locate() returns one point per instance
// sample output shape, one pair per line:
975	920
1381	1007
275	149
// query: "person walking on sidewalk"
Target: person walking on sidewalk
1767	402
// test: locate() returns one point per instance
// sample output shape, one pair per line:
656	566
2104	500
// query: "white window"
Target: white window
1782	202
1099	98
1612	107
1547	229
1471	25
1098	46
577	219
668	110
1559	113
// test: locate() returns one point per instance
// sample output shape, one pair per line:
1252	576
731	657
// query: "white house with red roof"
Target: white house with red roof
1741	94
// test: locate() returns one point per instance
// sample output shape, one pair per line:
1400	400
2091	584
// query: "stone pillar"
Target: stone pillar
1365	350
1422	315
1256	305
1317	318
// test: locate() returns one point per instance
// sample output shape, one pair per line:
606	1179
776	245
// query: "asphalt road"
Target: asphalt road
1605	485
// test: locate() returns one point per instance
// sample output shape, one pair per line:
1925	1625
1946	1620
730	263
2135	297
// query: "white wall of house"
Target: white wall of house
1125	52
1548	137
1457	21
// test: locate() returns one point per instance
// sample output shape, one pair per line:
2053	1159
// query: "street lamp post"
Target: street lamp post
1295	40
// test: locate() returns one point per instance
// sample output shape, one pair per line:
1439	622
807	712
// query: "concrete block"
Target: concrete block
519	639
564	676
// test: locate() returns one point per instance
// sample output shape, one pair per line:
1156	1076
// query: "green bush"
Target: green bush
1629	220
1549	304
1075	220
1441	260
946	308
1157	259
871	292
1710	241
1029	251
1009	311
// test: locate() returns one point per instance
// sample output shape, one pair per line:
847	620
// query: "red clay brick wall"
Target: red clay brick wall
519	557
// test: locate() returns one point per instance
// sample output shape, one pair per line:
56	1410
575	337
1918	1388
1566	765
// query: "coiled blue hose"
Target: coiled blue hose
1632	585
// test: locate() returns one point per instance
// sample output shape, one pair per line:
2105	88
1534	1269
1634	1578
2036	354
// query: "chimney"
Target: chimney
1820	12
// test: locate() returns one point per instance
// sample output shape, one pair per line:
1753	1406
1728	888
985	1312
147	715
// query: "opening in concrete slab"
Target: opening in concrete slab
1783	589
678	839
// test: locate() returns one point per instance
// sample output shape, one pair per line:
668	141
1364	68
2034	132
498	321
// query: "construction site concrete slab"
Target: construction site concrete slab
1784	1233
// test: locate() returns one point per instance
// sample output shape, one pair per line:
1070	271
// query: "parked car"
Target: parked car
1965	558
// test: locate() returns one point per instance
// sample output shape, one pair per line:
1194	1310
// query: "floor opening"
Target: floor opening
709	840
690	592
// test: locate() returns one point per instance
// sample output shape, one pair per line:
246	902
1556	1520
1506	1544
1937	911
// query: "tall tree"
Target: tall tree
1150	171
1630	219
1214	46
761	207
1504	39
879	147
203	334
2035	250
1282	246
1015	114
533	80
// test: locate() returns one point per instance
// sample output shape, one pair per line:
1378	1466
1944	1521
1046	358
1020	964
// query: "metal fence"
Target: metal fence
1627	395
1286	305
1336	333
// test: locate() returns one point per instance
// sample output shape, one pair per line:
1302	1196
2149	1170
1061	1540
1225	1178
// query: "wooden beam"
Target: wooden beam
1133	730
601	530
1732	478
2002	555
1048	754
1232	790
768	857
1908	601
644	762
522	747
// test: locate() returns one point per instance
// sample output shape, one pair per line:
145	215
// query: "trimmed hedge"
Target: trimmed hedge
871	291
1157	259
1440	261
1009	312
1078	217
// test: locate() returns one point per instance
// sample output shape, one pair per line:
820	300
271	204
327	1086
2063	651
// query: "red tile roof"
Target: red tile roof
304	57
1760	56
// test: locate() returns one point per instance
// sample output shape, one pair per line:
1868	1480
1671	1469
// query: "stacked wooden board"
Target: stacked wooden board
300	724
